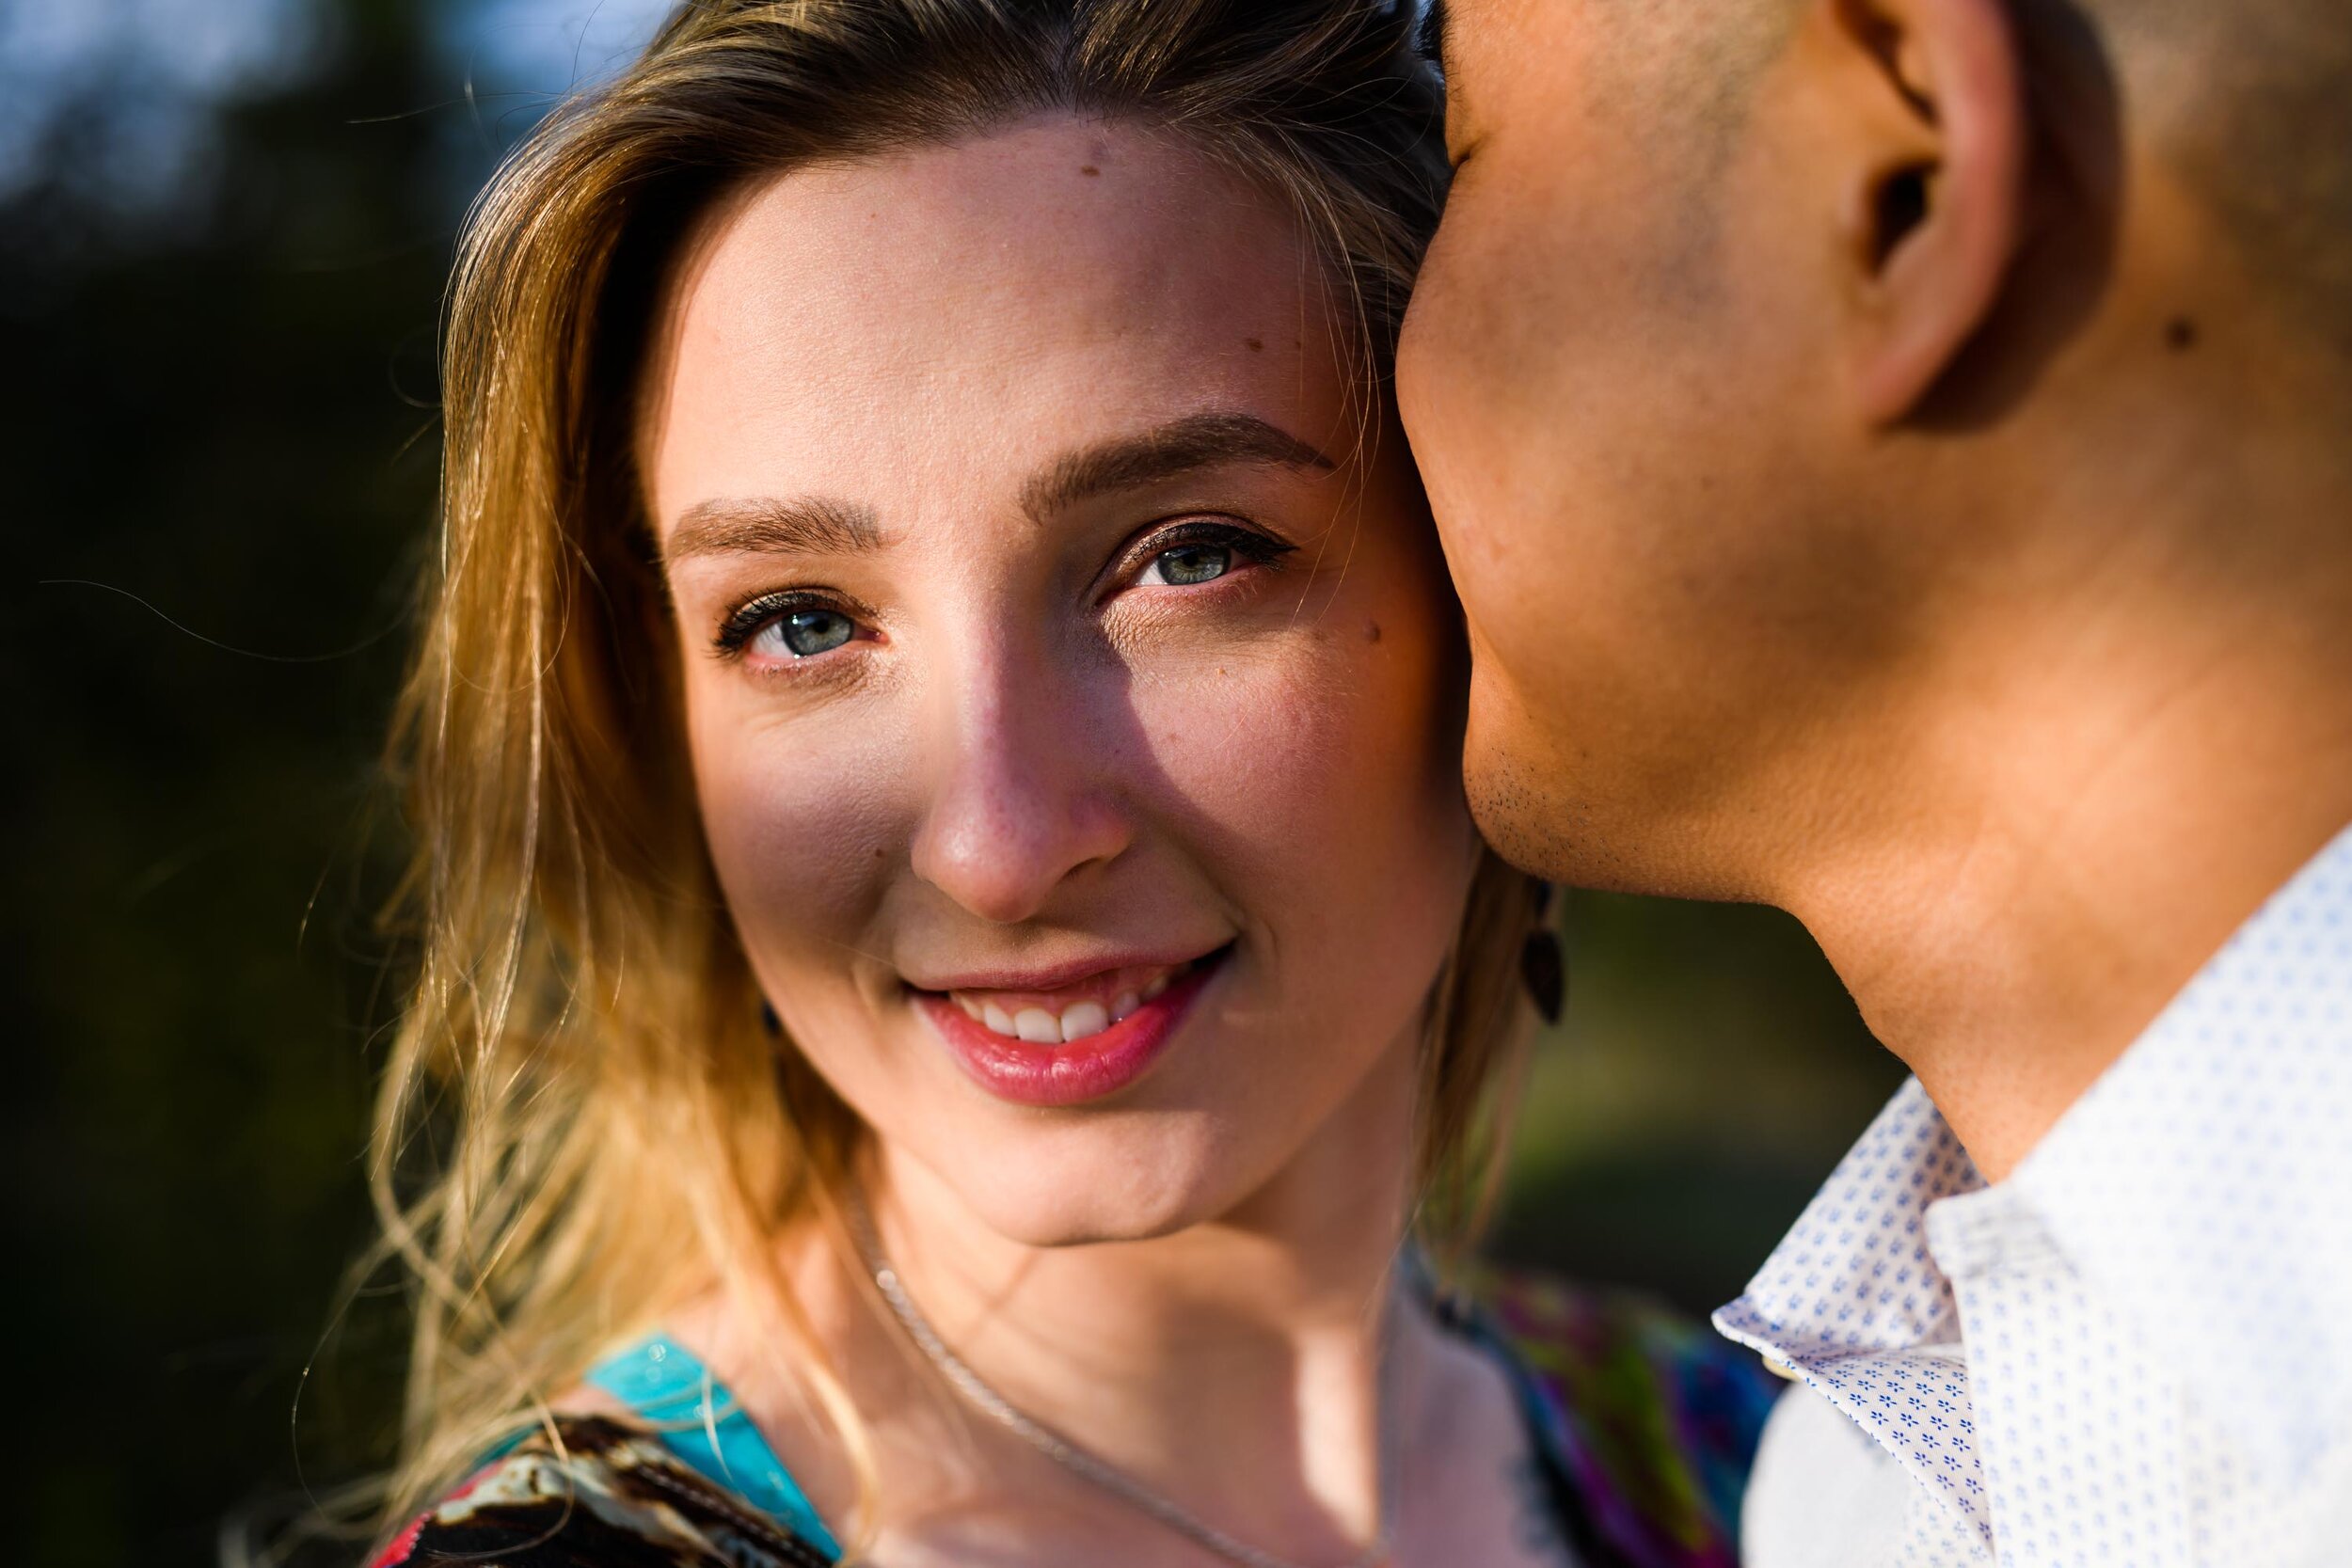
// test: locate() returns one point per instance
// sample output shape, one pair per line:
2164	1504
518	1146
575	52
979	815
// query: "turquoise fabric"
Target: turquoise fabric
665	1386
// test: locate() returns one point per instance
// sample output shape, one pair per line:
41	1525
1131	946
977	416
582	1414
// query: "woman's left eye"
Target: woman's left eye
1188	564
1198	552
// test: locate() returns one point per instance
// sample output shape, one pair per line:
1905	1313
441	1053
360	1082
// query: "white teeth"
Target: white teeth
1078	1021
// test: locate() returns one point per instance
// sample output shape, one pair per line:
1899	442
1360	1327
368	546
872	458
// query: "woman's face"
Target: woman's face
1072	691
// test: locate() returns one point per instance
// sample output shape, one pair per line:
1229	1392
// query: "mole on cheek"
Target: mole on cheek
1088	169
1256	345
2180	335
1372	631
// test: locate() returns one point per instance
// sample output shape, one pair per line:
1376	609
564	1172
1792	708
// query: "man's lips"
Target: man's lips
1073	1044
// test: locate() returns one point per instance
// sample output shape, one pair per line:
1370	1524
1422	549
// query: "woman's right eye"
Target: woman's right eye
805	633
782	629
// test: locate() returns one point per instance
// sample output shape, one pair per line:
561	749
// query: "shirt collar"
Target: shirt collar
2201	1187
1854	1275
1854	1304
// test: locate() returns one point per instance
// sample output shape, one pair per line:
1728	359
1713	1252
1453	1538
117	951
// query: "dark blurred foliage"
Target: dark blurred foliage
217	402
218	390
1708	1071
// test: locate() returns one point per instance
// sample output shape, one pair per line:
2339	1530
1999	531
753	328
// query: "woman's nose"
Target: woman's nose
1020	794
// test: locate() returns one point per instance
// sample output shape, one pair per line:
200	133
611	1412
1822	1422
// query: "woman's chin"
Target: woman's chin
1099	1225
1074	1197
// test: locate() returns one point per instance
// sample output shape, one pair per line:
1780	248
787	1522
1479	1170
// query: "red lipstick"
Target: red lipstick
1076	1071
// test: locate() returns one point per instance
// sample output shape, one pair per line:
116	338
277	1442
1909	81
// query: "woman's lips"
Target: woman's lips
1099	1057
1069	1012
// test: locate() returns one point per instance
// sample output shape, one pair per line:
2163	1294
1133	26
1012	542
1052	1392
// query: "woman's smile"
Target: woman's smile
1062	1044
1045	1010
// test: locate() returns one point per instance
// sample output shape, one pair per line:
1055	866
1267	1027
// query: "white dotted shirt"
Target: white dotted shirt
2137	1351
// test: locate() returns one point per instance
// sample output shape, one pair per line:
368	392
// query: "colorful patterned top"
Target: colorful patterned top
1643	1426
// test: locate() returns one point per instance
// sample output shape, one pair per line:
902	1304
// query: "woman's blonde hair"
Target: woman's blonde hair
583	1119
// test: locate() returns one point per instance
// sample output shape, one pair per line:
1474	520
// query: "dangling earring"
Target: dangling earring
769	1022
1543	968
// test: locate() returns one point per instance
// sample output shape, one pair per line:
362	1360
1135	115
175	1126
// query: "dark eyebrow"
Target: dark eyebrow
808	526
1163	452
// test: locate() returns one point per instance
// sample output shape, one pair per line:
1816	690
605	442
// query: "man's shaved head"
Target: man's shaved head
2250	101
1891	455
1758	329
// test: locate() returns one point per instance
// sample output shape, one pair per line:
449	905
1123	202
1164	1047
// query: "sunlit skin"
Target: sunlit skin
1123	644
1960	566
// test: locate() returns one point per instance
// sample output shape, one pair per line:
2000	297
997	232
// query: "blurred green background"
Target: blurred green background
223	230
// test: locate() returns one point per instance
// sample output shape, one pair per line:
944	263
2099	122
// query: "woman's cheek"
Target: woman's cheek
799	832
1317	746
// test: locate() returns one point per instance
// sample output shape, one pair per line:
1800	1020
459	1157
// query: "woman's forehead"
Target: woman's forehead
947	314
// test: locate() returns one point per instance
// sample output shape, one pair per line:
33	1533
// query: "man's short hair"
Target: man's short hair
2249	100
2254	106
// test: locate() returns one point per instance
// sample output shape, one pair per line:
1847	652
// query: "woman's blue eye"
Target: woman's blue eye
809	632
1183	565
783	628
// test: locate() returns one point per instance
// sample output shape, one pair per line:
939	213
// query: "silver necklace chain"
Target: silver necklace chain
976	1391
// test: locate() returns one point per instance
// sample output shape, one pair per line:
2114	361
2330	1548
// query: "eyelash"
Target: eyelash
753	616
747	620
1258	548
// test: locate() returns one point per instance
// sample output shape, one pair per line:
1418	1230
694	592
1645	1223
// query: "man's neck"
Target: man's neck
2096	797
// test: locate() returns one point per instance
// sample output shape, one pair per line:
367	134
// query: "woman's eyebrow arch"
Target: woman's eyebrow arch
808	525
1163	452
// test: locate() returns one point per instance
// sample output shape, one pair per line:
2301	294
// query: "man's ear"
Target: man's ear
1932	175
